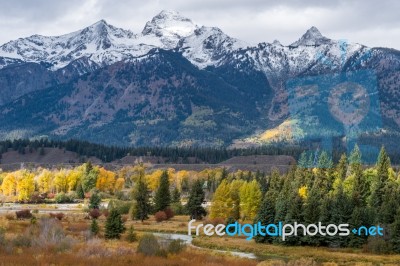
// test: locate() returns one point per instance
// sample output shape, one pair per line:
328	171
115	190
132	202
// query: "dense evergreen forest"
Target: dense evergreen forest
172	154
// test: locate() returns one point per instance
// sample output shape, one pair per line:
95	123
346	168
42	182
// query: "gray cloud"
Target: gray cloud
370	22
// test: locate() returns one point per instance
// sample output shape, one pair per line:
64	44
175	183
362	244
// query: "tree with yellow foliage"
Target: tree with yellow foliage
105	180
119	184
303	192
61	181
250	199
222	203
44	181
153	179
25	185
9	185
73	178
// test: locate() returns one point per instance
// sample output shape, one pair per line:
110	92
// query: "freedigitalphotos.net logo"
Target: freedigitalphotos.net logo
282	230
341	104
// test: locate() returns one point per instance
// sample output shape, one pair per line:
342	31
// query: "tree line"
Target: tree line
317	190
171	154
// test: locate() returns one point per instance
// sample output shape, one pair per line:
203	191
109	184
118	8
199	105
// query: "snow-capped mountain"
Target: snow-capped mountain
208	45
174	83
312	37
102	43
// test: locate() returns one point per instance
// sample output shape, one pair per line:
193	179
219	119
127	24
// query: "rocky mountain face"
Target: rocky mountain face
179	83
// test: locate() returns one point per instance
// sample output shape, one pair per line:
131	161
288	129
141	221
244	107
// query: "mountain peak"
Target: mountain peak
169	24
312	37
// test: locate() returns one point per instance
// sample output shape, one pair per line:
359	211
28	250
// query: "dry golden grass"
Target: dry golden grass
117	256
121	252
287	253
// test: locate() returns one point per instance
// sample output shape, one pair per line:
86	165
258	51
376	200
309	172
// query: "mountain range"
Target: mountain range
177	83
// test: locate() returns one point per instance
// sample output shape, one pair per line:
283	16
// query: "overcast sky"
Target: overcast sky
370	22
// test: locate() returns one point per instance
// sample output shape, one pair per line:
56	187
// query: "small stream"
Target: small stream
189	239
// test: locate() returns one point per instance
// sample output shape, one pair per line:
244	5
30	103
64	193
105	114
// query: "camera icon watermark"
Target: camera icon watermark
338	108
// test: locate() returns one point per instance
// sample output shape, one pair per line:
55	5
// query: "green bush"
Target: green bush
62	198
148	245
176	246
178	208
122	207
131	237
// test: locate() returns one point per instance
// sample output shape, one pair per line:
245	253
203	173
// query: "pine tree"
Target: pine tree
162	198
341	167
341	212
176	196
266	215
94	227
114	225
79	191
360	187
312	212
94	201
379	183
141	196
196	199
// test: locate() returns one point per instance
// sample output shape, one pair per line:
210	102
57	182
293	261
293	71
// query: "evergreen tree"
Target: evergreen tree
312	212
162	199
224	174
341	167
94	201
266	215
141	196
94	227
303	160
395	234
196	199
341	212
114	225
360	187
79	191
379	183
176	196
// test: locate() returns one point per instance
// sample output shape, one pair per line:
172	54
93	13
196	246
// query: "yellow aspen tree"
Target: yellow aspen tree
9	185
221	205
119	184
250	200
25	185
73	178
60	181
153	179
44	181
105	180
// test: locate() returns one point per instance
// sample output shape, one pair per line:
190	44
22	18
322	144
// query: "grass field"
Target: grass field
98	251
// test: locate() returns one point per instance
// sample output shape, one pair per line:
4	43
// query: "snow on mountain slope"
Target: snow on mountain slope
311	38
166	29
312	52
103	44
208	45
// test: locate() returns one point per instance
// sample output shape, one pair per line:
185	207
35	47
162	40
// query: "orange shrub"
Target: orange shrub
160	216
